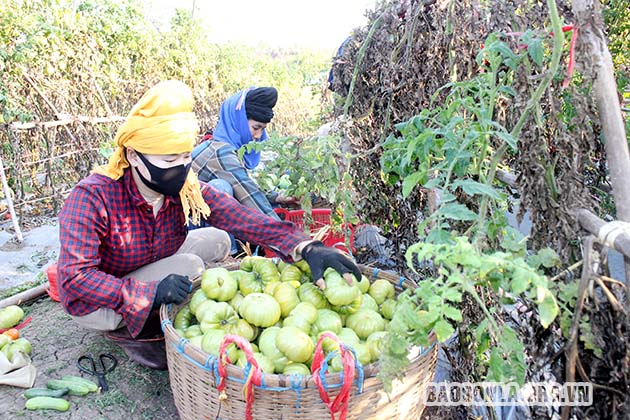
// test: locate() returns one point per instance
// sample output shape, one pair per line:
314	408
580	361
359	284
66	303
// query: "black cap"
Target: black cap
259	103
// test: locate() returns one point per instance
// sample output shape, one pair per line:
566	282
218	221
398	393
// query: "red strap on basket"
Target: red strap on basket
19	326
253	378
340	403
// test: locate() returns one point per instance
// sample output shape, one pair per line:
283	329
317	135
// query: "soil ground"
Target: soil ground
135	392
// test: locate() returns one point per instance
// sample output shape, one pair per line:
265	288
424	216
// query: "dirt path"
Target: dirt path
135	391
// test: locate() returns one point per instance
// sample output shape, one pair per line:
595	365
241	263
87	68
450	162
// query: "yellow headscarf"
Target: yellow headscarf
161	123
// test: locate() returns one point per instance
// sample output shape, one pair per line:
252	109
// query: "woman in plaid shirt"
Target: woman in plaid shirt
125	246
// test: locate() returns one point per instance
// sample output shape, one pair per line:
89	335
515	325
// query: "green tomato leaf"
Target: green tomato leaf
410	182
521	280
457	211
535	51
452	313
443	330
547	307
471	188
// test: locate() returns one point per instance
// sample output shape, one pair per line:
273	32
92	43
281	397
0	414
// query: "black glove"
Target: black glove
320	257
172	289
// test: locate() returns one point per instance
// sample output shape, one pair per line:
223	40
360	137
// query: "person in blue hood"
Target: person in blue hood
243	118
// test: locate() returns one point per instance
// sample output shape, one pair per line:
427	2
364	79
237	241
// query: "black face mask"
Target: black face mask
167	181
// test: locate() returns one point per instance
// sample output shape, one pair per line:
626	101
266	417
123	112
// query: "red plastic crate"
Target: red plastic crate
321	218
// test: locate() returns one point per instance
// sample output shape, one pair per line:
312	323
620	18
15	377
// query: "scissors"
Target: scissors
88	365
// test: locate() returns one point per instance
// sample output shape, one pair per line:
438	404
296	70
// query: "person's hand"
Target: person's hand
320	257
282	199
172	289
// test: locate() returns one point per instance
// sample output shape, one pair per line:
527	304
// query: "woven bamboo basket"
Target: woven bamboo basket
194	378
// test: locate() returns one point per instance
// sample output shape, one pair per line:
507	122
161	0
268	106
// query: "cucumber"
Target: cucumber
47	403
45	392
75	388
93	387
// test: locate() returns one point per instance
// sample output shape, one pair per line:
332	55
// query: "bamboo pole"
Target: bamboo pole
593	42
7	194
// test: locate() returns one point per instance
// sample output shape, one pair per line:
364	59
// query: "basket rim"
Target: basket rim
209	362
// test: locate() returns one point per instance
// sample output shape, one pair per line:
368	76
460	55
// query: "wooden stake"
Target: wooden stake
7	194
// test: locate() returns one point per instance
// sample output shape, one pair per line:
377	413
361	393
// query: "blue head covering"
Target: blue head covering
232	127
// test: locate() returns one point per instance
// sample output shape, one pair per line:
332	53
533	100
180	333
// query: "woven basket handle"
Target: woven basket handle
340	403
253	378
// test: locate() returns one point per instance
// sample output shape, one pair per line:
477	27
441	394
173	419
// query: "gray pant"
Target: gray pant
202	246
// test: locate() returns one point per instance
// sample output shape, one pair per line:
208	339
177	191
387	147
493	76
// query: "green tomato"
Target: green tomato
4	340
295	344
305	310
364	285
196	340
298	322
248	282
266	269
15	346
348	337
281	265
296	369
308	292
305	268
264	363
327	320
287	297
363	353
10	316
388	308
211	344
365	322
368	303
260	309
242	328
247	263
203	308
351	307
375	344
338	292
236	301
267	345
219	316
335	365
219	284
196	300
381	290
193	331
184	318
270	288
291	273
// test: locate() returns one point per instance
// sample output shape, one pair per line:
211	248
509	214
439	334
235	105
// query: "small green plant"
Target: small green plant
434	305
306	167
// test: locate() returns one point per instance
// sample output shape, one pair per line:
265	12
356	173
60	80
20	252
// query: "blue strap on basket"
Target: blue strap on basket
296	385
401	280
357	365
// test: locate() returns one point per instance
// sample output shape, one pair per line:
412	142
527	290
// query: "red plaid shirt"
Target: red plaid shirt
107	230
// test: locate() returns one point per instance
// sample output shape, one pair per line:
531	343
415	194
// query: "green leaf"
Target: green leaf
410	182
452	313
471	187
453	295
547	307
535	51
521	280
506	137
457	211
545	257
443	330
